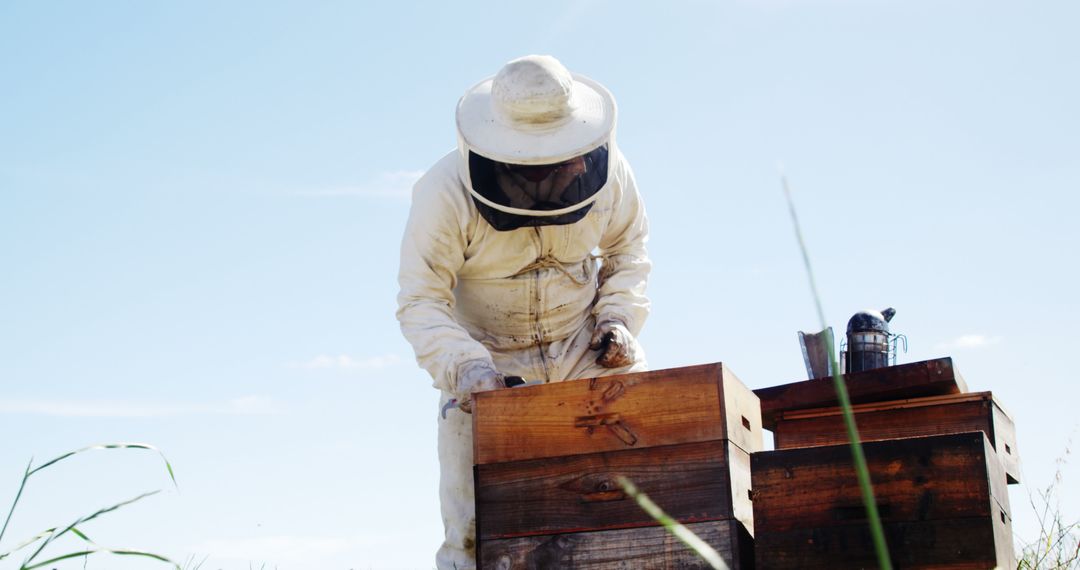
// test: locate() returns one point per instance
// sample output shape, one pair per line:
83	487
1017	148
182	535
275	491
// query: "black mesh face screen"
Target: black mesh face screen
537	188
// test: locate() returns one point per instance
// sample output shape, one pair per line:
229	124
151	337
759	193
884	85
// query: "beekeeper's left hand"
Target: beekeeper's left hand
615	343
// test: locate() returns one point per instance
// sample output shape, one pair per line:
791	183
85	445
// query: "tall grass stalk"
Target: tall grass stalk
192	562
687	536
877	532
46	537
1058	545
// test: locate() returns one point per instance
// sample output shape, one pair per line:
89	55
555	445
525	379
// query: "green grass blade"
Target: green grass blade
129	552
877	532
18	495
30	470
53	536
687	536
105	510
190	563
82	554
120	445
80	534
68	556
28	542
47	537
98	548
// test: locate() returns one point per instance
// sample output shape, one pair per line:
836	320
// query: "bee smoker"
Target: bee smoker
869	341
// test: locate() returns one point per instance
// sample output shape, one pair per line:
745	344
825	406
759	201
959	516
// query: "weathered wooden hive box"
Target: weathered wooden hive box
939	459
915	380
942	500
547	459
935	415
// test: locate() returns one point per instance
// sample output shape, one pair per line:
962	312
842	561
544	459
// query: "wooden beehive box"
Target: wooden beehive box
935	415
547	458
917	379
942	501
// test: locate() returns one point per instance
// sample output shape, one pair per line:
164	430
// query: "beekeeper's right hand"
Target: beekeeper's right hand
475	376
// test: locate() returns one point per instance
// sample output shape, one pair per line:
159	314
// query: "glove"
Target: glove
475	376
615	343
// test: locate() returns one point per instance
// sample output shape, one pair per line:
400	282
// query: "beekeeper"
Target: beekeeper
524	255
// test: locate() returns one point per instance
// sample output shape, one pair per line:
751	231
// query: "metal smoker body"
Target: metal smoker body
868	341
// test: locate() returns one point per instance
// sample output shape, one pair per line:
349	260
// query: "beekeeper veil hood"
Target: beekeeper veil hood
536	142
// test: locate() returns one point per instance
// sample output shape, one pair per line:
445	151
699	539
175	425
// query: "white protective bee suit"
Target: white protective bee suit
503	272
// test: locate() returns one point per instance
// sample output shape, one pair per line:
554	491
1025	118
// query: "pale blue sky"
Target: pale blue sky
200	207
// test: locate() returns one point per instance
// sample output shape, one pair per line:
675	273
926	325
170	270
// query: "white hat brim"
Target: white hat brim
591	122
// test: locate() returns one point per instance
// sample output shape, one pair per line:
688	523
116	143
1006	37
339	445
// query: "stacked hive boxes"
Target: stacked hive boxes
547	459
939	459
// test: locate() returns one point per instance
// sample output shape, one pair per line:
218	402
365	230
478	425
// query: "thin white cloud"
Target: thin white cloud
969	341
396	184
346	362
108	408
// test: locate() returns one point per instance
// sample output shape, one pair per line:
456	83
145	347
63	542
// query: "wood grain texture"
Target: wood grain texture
935	415
692	482
942	500
917	379
661	407
956	544
628	549
938	477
